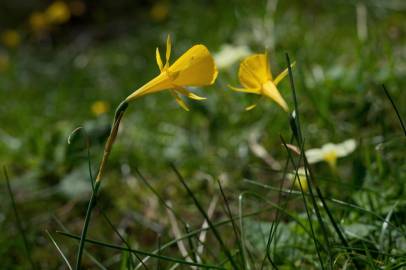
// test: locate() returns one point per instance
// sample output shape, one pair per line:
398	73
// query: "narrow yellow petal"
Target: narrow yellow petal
189	94
246	90
249	108
168	49
195	97
195	67
283	74
254	71
269	89
158	59
179	100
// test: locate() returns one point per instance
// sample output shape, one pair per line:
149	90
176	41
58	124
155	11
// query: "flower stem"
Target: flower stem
107	149
90	207
112	137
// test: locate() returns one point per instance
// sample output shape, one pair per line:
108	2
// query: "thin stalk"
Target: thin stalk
112	137
94	260
18	220
89	210
395	108
123	240
107	149
59	250
235	228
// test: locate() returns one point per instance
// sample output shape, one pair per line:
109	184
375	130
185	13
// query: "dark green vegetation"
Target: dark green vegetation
48	90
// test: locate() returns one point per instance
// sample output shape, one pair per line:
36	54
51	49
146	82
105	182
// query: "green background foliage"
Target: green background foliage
50	83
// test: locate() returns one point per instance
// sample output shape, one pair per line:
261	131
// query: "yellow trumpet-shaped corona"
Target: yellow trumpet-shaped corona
256	77
195	67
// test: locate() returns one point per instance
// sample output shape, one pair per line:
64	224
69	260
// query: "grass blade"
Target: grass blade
275	223
144	253
235	228
161	200
385	226
18	220
201	210
176	232
59	250
395	108
93	259
123	240
89	210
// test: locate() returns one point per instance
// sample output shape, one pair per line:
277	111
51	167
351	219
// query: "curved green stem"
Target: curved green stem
107	149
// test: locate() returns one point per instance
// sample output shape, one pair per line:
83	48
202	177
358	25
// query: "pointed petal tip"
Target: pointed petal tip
158	59
215	73
251	107
195	97
237	89
198	98
168	48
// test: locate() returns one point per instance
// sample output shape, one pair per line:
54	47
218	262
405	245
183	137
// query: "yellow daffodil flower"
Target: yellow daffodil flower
159	11
58	12
195	67
256	77
11	38
38	22
99	107
330	152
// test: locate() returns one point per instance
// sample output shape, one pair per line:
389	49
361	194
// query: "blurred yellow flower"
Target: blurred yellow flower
99	107
4	62
159	11
57	13
195	67
256	77
300	180
330	152
11	38
38	22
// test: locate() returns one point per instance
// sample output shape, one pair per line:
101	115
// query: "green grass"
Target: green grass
353	219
